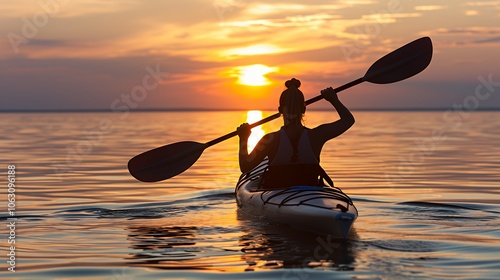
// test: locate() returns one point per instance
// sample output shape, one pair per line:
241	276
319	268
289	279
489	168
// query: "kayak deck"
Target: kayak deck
320	209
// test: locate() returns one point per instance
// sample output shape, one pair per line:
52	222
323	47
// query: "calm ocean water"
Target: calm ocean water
426	184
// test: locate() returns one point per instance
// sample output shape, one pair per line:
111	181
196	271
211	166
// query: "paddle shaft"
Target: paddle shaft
277	115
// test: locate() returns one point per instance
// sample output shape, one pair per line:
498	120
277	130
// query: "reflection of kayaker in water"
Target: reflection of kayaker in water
294	151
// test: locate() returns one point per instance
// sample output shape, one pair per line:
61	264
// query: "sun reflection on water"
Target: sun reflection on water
257	132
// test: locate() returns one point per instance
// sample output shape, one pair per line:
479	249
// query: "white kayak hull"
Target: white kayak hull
323	210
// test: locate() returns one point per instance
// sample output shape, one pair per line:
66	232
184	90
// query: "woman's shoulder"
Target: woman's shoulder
272	135
319	129
316	134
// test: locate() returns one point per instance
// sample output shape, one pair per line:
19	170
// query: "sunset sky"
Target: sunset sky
223	54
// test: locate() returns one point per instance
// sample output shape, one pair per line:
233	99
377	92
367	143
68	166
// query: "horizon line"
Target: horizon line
218	110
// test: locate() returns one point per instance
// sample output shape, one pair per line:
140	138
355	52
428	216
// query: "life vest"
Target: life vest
283	172
305	154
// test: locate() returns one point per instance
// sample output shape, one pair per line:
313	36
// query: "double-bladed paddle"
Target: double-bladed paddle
170	160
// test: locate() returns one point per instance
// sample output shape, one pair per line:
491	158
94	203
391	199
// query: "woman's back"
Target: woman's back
293	147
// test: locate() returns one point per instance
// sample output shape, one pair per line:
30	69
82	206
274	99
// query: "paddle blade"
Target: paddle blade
402	63
165	162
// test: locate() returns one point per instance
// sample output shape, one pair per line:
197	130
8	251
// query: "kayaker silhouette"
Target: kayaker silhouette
294	151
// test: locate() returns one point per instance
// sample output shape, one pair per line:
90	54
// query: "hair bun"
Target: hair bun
292	83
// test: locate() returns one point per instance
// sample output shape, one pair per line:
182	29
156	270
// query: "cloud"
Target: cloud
291	8
489	40
65	8
469	30
49	43
466	36
483	4
87	83
430	8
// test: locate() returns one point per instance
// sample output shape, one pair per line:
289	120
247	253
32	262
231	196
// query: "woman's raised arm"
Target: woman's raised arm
328	131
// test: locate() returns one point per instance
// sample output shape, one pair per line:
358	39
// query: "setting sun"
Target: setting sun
254	75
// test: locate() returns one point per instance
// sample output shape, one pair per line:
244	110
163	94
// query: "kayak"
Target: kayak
320	209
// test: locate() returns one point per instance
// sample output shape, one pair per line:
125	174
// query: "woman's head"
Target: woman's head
292	104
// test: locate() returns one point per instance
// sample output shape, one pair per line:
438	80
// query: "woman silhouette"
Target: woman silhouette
294	151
